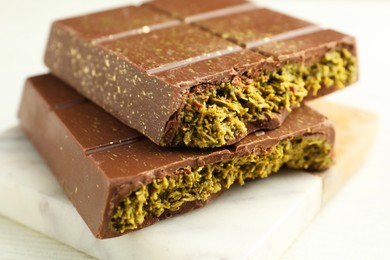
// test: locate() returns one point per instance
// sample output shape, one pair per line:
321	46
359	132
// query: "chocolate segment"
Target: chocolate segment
191	11
199	73
172	47
121	22
255	26
120	181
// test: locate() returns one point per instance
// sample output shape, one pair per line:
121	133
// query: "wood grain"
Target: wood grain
356	131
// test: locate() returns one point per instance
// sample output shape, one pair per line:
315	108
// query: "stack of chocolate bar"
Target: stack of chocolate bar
154	110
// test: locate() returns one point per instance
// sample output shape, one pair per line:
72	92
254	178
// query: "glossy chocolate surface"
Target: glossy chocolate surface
98	160
143	62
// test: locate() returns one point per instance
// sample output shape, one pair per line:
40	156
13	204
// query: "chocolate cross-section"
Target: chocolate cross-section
120	181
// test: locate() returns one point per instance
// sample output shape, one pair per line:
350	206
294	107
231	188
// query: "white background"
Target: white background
354	225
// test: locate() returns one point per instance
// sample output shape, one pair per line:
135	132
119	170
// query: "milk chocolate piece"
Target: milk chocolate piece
109	171
199	73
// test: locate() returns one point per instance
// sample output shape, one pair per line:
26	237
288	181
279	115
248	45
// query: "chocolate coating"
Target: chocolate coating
98	160
251	26
190	10
143	63
104	24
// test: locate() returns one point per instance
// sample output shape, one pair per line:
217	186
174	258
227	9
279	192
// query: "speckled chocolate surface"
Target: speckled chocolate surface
98	160
140	62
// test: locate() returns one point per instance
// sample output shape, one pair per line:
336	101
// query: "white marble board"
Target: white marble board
257	221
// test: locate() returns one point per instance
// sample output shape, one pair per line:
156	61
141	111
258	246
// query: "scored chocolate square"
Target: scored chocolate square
199	73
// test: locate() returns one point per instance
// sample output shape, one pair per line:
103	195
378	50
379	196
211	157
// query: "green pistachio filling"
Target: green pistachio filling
198	184
213	117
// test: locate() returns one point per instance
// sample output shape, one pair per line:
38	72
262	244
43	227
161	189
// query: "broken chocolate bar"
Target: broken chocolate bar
120	181
199	73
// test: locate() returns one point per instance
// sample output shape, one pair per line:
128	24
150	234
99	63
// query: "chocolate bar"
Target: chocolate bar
199	73
119	181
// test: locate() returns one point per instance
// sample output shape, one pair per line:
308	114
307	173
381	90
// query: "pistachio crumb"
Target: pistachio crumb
218	114
198	184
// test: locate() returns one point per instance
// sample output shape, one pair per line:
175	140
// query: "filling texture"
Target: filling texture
170	193
214	115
